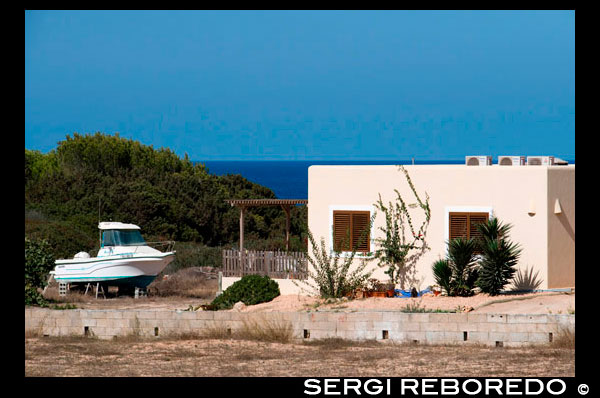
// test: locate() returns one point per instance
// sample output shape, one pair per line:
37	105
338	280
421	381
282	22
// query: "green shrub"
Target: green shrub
251	290
458	272
442	273
39	260
329	277
500	256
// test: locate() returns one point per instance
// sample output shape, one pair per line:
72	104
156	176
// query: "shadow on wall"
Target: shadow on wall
566	225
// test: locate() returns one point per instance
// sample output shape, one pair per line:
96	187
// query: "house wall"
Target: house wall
561	228
517	195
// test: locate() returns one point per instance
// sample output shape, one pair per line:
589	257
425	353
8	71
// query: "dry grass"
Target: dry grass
265	330
564	339
187	282
242	354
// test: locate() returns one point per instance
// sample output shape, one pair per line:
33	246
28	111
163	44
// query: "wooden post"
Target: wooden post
286	208
242	210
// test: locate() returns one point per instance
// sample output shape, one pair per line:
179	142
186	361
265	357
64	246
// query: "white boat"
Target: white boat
124	259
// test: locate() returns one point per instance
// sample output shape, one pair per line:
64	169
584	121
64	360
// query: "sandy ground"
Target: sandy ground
531	303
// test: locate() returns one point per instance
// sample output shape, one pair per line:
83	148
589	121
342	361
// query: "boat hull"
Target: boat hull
133	271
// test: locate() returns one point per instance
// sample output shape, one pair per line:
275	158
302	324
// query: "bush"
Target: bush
39	261
329	278
251	290
500	256
458	272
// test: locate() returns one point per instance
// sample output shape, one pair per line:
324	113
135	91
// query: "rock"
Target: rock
239	306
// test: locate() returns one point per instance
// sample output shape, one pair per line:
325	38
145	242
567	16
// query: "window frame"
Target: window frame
350	208
463	209
352	237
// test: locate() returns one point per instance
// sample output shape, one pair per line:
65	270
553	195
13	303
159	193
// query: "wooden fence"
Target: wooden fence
275	264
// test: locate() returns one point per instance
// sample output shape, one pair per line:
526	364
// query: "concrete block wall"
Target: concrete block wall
422	328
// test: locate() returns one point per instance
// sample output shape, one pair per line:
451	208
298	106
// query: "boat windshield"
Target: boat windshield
127	237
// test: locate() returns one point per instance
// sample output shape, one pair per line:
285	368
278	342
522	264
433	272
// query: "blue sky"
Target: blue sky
296	85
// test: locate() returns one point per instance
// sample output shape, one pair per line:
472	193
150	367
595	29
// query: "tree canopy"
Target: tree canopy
94	176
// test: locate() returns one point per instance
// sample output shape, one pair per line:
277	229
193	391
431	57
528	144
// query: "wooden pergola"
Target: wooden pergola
285	204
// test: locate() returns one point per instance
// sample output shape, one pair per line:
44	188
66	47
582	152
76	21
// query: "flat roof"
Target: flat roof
266	202
116	225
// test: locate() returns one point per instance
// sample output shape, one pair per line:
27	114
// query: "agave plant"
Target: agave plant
458	272
526	280
499	256
442	273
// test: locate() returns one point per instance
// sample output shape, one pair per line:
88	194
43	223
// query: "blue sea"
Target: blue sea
289	179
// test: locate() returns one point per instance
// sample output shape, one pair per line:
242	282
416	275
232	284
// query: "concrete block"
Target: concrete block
538	337
461	317
439	326
467	327
526	318
499	336
165	314
420	337
453	336
222	315
141	314
199	323
418	317
436	317
478	336
87	322
62	321
410	326
544	328
520	337
434	337
381	325
322	325
477	318
205	315
496	318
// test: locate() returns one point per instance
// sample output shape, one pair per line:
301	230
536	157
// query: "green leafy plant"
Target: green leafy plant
458	272
461	255
330	277
39	261
403	244
442	273
526	280
499	257
251	290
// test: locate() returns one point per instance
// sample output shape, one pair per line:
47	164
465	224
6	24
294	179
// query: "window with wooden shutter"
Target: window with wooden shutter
464	225
348	227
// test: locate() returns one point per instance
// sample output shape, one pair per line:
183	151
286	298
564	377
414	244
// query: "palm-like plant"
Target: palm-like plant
458	272
461	254
499	256
442	273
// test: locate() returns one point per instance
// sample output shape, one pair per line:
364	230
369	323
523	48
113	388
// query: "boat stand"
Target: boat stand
98	287
63	288
140	292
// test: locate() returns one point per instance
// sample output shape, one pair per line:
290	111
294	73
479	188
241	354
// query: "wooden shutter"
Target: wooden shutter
360	225
341	230
458	225
474	219
347	229
464	225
